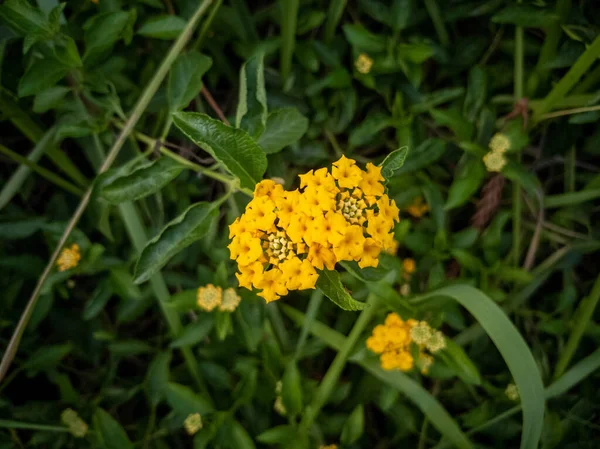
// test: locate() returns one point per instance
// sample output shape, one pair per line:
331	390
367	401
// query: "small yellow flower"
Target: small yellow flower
279	407
209	297
329	446
193	423
409	266
77	426
363	63
418	208
230	300
436	342
405	289
425	361
512	392
494	161
499	143
69	258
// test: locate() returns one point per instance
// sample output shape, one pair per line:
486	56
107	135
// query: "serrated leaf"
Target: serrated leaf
234	148
393	162
157	378
284	127
193	333
142	182
109	433
165	27
185	79
330	284
252	110
184	401
178	234
41	75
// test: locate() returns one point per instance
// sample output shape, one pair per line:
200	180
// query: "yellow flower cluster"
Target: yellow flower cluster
418	208
210	297
363	63
394	341
69	258
512	392
193	423
77	426
495	160
284	237
329	446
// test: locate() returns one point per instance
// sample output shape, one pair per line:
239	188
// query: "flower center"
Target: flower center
351	209
278	247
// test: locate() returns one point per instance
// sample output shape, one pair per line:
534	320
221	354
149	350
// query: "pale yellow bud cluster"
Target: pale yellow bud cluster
210	297
193	423
69	258
363	63
77	426
495	160
512	392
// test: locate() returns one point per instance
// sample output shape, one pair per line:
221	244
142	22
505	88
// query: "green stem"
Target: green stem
438	22
335	370
9	424
334	14
569	80
311	313
137	112
516	193
43	172
289	16
204	29
583	316
590	80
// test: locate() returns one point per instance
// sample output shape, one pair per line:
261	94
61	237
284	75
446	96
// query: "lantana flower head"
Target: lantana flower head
284	237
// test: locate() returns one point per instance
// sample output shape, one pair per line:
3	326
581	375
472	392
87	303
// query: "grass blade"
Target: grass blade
289	17
514	350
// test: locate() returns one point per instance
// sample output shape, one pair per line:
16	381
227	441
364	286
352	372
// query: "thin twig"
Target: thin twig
213	104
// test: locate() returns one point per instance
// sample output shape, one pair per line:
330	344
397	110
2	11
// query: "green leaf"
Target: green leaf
178	234
284	127
354	426
157	378
526	16
468	177
329	283
369	128
22	17
393	162
277	435
234	148
123	285
476	93
184	301
236	436
164	26
41	75
415	53
517	173
49	98
185	79
459	362
46	357
109	433
185	402
195	332
453	120
513	349
363	39
141	182
291	391
251	112
425	154
101	33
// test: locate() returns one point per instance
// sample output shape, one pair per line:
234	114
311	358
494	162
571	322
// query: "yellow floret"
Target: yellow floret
209	297
230	300
69	258
363	63
494	161
499	143
193	423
